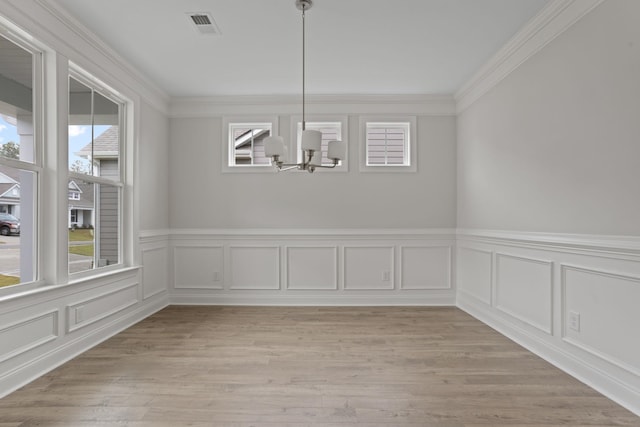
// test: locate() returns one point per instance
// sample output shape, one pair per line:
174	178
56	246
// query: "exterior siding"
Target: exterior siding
108	200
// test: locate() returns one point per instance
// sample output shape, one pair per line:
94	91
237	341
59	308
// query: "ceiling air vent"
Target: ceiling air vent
203	22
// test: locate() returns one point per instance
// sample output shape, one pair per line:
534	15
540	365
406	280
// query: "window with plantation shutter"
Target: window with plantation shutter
243	149
333	128
331	131
388	145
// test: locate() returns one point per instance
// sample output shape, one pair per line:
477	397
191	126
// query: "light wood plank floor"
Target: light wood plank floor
275	366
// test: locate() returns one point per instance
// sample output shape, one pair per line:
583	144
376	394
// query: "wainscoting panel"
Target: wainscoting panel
198	267
524	289
476	276
313	268
369	268
426	267
587	325
601	313
24	335
98	307
155	272
255	267
322	267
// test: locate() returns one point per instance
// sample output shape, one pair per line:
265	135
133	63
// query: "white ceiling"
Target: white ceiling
353	46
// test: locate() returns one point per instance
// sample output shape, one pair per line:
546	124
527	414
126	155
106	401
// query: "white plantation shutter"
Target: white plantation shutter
331	131
387	144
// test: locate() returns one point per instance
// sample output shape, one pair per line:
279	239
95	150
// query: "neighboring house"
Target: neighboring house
80	198
249	147
9	191
104	154
80	205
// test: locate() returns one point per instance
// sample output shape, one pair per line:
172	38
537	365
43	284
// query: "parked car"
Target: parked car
9	224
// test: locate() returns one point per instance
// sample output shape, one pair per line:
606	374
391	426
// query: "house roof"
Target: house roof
106	145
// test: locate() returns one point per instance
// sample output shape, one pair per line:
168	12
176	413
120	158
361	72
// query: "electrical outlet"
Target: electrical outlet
216	276
574	321
79	314
386	276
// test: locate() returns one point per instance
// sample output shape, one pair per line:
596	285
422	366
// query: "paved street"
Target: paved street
10	257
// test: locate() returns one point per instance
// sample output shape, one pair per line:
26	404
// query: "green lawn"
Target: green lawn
81	235
8	280
86	250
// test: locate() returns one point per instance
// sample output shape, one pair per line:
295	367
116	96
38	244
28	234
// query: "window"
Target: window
95	179
332	130
243	147
388	145
20	165
31	178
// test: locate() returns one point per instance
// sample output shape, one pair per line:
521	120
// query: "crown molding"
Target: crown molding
148	91
554	19
430	105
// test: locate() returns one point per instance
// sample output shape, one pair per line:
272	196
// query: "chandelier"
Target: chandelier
311	140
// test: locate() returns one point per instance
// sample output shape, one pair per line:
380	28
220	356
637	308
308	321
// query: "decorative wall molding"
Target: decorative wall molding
623	316
598	281
424	105
24	335
311	233
95	308
254	267
591	244
530	290
554	19
154	279
67	349
472	273
311	267
602	380
368	267
324	266
198	266
437	269
303	298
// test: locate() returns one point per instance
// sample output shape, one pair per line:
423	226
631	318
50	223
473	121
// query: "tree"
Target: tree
79	167
10	150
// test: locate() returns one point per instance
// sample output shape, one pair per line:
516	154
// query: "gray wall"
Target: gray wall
201	196
555	146
153	169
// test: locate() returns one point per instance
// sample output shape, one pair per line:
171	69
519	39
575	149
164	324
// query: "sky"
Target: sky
79	136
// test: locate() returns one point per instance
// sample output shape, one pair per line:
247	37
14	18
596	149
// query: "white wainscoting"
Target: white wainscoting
524	289
26	334
571	299
197	266
43	328
314	267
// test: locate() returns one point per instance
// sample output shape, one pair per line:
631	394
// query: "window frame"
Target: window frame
226	153
87	79
39	54
411	146
296	126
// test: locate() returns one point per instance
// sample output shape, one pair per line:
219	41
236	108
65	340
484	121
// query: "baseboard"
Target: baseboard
567	362
440	299
40	366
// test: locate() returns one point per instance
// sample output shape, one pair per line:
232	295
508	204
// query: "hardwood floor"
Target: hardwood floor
309	366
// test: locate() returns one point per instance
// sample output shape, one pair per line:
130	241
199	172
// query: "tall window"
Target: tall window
95	178
389	145
20	165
